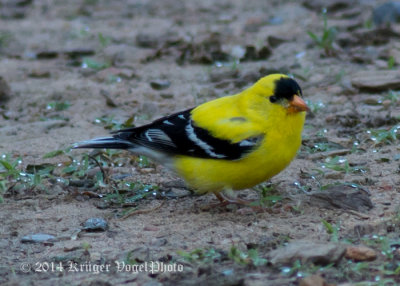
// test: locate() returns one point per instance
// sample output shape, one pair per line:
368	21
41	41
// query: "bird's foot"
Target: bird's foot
226	200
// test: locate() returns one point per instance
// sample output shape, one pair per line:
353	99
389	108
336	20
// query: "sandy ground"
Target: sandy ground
97	59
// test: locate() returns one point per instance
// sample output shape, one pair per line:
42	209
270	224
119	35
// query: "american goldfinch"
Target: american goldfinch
230	143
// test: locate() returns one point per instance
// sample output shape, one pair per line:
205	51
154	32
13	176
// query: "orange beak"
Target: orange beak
297	104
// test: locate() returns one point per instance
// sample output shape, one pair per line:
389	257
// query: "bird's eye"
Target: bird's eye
273	99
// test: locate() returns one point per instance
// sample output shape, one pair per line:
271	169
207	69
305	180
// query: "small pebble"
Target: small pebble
178	193
38	238
95	224
386	103
158	242
313	280
360	253
388	12
160	84
150	228
238	52
147	170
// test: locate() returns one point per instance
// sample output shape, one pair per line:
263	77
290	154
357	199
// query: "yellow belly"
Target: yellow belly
214	175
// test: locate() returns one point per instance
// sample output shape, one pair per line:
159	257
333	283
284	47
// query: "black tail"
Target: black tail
106	143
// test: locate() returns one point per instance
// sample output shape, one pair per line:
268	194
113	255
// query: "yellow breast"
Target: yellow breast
279	147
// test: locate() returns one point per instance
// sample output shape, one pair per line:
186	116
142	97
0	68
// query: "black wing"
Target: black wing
178	135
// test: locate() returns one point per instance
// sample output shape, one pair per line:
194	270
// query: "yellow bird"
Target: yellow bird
230	143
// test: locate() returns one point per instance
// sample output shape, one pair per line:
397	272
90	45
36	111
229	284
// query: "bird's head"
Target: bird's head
281	90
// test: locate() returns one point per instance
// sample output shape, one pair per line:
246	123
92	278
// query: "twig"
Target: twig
360	215
142	211
105	176
332	153
91	194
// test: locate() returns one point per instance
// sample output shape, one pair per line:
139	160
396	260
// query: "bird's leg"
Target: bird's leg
226	200
220	197
223	197
222	201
